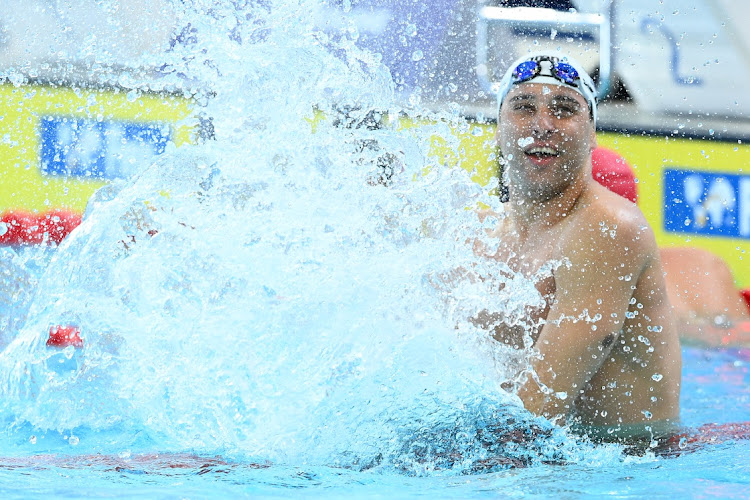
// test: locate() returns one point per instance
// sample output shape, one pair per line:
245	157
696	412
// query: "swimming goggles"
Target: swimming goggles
560	70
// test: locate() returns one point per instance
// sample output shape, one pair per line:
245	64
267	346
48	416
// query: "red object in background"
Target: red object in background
746	295
63	336
612	171
23	228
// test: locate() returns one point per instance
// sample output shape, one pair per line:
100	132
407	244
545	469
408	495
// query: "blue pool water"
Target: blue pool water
262	317
715	390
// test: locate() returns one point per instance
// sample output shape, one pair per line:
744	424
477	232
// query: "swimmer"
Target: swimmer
709	310
609	358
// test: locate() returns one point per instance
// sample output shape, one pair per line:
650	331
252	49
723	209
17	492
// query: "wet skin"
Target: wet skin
609	355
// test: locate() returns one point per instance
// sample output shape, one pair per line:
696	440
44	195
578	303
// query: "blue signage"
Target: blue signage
707	203
99	149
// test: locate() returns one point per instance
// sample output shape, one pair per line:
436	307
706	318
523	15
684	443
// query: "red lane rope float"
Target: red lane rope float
746	295
64	336
708	434
18	228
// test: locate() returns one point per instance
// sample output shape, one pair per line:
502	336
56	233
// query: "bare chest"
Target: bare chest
535	260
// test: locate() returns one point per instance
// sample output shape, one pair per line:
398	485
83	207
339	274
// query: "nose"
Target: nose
544	122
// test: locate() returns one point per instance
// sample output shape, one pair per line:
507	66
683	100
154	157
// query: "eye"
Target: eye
523	106
564	110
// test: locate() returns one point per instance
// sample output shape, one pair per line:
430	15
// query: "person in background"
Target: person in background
708	308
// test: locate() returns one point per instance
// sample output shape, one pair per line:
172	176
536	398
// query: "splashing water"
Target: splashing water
279	292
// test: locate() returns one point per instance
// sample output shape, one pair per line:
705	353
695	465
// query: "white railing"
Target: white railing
535	18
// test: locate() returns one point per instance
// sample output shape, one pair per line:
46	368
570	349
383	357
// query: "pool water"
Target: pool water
716	389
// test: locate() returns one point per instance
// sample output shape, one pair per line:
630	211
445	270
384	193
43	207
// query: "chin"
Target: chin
538	192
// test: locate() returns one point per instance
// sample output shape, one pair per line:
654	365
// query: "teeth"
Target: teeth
541	150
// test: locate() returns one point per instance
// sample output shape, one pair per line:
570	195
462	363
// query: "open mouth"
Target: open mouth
542	152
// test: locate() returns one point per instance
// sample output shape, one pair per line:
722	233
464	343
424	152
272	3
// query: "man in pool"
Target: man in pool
609	358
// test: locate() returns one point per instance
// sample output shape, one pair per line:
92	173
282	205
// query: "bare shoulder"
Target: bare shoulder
611	230
616	220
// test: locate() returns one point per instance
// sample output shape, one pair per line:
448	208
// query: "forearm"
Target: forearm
545	394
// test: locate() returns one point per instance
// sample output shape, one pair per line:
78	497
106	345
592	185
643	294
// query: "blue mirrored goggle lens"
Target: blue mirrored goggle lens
526	70
566	73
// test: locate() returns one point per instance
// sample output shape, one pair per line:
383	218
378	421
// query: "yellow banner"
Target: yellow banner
58	144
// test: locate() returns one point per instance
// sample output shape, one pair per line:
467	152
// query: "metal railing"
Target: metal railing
537	18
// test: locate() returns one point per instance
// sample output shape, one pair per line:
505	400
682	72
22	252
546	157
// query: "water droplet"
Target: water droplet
525	141
32	440
73	440
417	55
411	29
656	377
3	228
561	395
647	414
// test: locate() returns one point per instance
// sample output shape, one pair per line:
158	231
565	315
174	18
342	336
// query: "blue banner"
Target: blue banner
99	149
707	203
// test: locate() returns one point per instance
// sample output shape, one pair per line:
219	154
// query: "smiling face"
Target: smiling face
546	137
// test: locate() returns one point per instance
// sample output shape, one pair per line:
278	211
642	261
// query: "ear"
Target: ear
496	140
592	141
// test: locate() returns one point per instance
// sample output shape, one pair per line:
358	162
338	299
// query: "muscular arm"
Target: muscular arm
592	298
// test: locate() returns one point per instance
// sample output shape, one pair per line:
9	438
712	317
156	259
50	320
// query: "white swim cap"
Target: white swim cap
551	69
